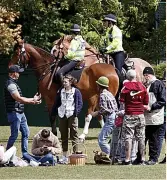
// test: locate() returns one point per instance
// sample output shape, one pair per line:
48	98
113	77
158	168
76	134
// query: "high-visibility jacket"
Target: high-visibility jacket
113	40
76	50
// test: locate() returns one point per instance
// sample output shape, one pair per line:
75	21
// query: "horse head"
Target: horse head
20	56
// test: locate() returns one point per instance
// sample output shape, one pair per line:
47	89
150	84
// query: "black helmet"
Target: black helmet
110	17
75	28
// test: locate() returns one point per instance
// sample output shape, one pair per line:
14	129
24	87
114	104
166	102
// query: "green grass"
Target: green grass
89	171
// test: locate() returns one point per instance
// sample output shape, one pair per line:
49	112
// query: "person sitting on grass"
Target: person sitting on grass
44	147
7	157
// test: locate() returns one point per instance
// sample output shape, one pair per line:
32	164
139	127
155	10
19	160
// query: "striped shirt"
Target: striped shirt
107	103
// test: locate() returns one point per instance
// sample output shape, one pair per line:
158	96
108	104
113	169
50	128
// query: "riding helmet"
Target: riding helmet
110	17
75	28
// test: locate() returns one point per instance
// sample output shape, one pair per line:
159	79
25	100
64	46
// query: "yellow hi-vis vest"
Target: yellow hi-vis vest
76	50
113	40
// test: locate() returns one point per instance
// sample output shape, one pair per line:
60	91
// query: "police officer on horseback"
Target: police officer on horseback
113	42
76	52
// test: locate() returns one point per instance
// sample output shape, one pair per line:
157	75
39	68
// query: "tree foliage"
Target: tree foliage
8	31
43	21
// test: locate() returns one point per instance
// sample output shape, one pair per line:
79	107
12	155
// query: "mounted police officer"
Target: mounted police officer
76	52
113	42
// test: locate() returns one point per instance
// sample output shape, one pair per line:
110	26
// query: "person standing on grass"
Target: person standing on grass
154	114
134	98
67	106
107	108
14	104
163	129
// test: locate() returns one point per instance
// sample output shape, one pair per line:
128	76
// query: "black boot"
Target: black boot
61	78
163	161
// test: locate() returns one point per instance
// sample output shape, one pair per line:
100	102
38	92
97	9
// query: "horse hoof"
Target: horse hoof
82	137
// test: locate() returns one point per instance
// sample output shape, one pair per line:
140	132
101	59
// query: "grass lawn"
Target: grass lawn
89	171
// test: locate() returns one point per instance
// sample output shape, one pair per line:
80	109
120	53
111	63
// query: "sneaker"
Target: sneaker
151	162
142	163
63	160
34	163
136	162
163	161
126	163
11	164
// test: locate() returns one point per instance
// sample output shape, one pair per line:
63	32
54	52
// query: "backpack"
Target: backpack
101	158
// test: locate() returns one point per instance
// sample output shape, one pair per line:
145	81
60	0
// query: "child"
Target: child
68	105
107	108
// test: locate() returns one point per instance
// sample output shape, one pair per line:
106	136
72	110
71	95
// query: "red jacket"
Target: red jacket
134	95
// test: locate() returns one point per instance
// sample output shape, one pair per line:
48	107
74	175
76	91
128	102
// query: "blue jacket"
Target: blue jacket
77	99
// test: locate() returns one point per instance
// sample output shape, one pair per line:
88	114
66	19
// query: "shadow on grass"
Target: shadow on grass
91	138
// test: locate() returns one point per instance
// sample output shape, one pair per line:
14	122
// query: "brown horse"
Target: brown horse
41	61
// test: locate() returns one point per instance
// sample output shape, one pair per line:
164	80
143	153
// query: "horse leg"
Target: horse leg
52	119
92	103
53	125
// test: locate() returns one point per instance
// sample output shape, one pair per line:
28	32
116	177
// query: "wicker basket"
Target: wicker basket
78	159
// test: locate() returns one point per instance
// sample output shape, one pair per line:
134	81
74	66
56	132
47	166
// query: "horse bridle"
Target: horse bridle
23	55
23	58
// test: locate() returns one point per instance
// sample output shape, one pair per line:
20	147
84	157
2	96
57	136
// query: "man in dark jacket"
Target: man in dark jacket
135	98
14	104
154	114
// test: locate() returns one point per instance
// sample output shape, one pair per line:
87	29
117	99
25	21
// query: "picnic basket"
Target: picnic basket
78	158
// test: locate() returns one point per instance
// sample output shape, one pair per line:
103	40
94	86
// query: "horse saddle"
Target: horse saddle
80	64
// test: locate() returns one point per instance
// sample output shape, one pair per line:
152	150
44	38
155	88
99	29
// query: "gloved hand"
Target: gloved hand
103	50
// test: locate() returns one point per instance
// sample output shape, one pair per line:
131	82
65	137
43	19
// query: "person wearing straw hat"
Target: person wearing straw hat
107	108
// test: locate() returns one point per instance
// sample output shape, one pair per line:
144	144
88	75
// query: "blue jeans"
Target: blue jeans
106	132
18	122
43	159
118	145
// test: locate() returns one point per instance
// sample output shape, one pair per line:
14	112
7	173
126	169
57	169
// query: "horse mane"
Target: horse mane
43	52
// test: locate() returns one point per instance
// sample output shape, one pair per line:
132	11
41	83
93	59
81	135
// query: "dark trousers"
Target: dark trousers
162	136
119	59
64	125
66	68
153	135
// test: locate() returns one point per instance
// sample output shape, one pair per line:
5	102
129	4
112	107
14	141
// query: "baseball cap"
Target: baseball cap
15	68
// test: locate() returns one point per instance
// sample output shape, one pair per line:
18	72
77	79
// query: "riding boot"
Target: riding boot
61	77
121	78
